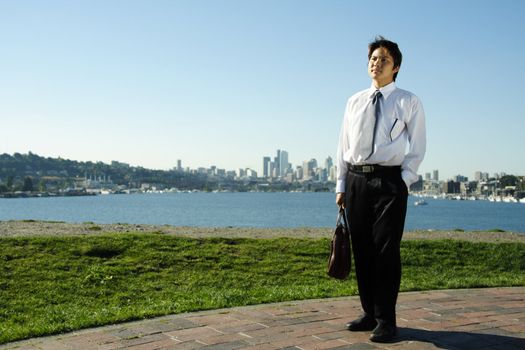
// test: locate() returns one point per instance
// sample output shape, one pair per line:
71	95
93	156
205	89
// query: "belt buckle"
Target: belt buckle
368	168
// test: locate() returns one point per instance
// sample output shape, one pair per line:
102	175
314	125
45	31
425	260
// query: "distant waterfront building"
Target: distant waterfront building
460	178
280	166
267	164
435	175
118	164
299	173
97	182
428	176
328	163
252	174
272	169
179	165
418	185
277	164
283	163
333	174
306	175
309	167
481	176
451	187
322	174
477	176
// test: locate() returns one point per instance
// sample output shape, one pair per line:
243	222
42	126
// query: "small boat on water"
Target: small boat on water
420	202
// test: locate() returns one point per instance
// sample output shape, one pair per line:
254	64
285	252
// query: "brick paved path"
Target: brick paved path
452	319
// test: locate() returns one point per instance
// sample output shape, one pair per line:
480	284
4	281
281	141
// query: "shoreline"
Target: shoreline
29	228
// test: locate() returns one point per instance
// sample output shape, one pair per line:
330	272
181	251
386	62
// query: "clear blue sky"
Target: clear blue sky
227	82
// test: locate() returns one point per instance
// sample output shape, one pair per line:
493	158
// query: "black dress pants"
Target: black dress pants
376	206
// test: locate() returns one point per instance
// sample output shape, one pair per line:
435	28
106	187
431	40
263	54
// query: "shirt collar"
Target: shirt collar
385	90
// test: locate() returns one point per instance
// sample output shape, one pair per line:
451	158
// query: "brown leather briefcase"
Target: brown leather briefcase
340	260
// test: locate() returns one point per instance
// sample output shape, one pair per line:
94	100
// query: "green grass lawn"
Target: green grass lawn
50	285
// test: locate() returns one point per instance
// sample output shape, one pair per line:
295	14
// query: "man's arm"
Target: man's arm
341	163
418	142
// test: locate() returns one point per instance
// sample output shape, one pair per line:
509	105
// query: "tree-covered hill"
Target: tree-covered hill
16	169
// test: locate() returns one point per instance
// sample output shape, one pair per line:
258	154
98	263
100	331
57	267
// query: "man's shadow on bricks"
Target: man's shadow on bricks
451	340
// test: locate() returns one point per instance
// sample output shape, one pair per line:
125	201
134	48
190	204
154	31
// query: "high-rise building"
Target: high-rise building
309	167
481	176
328	163
267	161
478	176
435	175
178	168
251	173
283	163
332	174
299	172
280	166
322	174
460	178
277	164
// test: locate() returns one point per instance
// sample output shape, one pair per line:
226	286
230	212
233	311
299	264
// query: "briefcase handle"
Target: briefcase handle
342	215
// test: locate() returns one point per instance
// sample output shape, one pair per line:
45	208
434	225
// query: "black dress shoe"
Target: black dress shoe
384	333
363	323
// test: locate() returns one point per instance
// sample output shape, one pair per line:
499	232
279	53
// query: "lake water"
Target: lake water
253	210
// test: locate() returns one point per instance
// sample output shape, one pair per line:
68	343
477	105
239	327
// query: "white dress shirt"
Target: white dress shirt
401	122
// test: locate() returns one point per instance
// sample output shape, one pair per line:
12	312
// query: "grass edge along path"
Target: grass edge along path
51	285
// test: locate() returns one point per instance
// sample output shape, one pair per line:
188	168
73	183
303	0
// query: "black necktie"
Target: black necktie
372	113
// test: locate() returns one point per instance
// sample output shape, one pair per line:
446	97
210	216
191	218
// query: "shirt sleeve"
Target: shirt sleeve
417	142
341	148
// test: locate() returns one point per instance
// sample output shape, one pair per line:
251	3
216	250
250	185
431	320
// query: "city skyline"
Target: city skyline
434	174
226	82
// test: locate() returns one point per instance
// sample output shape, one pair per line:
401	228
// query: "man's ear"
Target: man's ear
396	69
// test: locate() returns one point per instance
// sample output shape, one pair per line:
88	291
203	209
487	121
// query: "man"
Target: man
375	170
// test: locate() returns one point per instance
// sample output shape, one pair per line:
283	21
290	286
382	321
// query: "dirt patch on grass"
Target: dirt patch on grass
38	228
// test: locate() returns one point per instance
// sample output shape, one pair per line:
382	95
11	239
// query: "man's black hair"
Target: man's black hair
391	47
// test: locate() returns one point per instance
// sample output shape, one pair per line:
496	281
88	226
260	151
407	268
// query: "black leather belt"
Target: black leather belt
372	168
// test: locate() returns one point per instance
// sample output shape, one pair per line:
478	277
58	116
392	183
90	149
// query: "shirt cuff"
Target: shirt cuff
408	177
340	186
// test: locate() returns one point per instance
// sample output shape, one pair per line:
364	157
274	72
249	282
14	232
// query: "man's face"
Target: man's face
381	67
